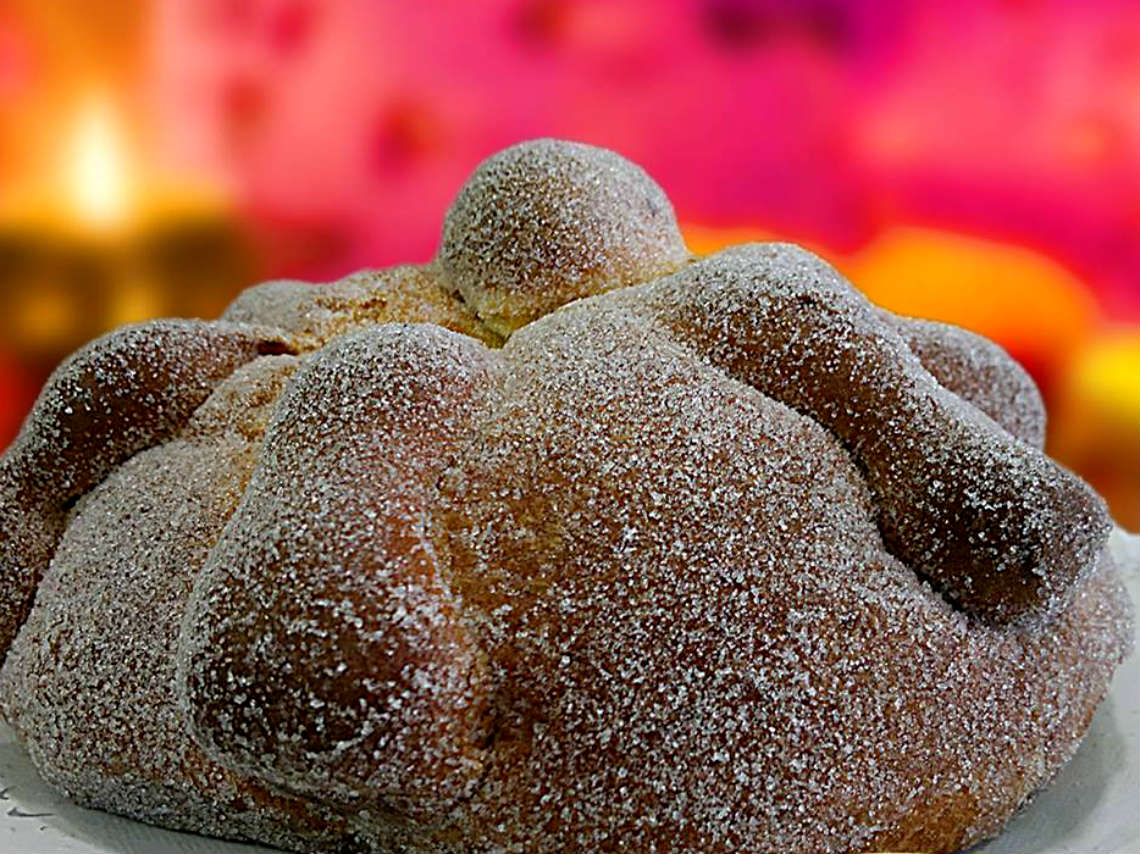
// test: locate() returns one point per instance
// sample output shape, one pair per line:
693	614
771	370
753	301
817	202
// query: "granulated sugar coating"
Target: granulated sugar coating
721	559
549	221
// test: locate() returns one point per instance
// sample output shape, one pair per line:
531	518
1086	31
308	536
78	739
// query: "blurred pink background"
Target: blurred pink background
976	161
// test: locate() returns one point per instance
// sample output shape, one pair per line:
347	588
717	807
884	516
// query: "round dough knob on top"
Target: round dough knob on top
546	222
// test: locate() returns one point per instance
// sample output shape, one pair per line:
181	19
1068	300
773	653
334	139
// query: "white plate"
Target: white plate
1091	808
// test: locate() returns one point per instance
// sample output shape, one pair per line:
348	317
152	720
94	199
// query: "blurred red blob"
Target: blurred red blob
18	389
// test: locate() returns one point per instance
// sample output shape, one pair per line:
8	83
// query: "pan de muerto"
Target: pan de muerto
568	541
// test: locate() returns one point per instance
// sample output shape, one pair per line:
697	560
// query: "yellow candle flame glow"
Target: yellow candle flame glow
97	165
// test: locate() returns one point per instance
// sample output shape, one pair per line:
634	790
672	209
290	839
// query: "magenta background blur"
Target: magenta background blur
977	161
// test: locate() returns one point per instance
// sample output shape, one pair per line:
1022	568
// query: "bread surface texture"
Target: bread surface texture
566	541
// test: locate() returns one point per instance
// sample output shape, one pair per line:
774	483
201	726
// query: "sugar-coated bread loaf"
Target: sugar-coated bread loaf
567	541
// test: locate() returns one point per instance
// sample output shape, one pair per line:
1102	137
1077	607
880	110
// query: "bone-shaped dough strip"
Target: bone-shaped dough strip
322	647
121	393
977	370
992	521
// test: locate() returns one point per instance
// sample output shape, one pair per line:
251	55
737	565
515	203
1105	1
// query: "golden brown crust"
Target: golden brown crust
333	659
115	397
316	314
979	371
90	687
1063	656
